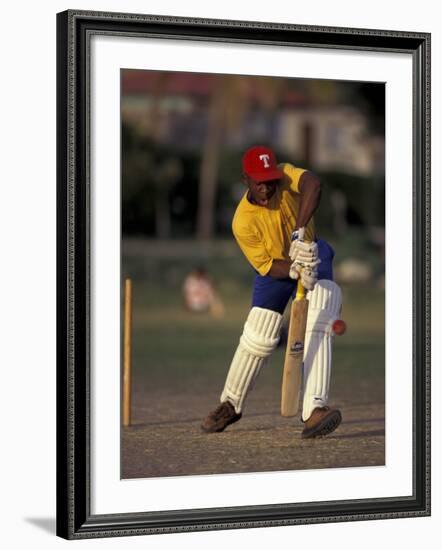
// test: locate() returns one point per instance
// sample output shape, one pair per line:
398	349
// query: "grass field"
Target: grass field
180	361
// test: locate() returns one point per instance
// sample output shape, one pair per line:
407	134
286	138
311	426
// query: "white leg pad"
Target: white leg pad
259	338
325	302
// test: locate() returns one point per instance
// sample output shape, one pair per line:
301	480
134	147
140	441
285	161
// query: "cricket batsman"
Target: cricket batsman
279	201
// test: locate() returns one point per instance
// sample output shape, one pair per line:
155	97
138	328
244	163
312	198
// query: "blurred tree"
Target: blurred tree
195	195
137	192
210	160
164	171
232	96
167	173
371	98
318	93
338	204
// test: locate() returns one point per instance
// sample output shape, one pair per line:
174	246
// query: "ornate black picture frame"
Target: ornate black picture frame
74	32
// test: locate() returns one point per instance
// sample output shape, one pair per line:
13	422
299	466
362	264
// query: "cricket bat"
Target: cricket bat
294	355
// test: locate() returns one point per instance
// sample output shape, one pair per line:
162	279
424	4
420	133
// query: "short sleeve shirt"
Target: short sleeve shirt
264	232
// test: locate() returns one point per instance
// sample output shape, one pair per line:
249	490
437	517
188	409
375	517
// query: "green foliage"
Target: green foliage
365	196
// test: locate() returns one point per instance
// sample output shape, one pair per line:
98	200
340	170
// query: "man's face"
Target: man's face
262	191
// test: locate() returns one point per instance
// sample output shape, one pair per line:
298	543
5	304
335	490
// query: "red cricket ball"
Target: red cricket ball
339	327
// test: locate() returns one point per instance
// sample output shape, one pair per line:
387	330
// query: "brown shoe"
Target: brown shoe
322	421
220	418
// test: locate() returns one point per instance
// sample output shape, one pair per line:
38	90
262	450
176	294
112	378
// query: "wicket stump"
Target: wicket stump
127	358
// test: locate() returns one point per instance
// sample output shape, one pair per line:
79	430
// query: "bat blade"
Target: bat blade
294	355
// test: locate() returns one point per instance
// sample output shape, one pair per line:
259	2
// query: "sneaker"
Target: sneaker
220	418
322	421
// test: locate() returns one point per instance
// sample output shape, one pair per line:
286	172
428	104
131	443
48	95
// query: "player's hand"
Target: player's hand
304	254
308	277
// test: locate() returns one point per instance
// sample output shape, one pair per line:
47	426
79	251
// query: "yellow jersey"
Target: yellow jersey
264	232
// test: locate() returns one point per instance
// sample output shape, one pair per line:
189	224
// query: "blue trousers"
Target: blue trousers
273	294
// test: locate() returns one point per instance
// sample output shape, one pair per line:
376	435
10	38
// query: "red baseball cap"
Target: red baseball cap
259	163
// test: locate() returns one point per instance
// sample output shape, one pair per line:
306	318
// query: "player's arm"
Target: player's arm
304	256
280	269
310	195
252	247
309	188
258	257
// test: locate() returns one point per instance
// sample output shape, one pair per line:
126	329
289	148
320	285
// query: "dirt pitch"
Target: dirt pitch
166	440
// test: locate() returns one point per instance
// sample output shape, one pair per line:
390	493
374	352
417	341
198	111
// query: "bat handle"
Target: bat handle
300	290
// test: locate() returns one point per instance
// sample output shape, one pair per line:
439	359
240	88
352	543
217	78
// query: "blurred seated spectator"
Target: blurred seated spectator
200	295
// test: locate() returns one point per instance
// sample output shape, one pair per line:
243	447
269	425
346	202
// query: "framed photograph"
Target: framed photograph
243	274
